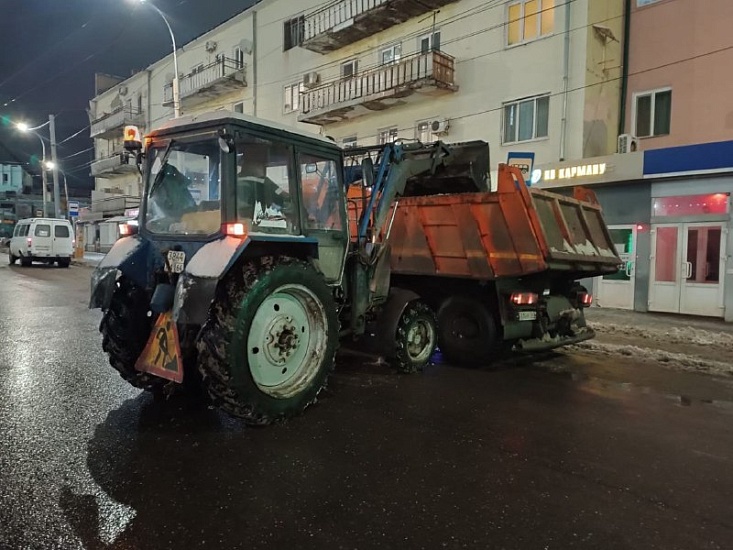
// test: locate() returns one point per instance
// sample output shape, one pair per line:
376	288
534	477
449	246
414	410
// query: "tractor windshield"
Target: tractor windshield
183	187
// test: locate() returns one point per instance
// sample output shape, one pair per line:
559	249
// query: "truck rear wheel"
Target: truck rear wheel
125	328
416	338
467	331
268	346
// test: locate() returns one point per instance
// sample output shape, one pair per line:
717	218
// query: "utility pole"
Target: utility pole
56	193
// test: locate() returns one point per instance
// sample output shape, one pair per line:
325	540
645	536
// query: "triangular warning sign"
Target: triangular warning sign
162	353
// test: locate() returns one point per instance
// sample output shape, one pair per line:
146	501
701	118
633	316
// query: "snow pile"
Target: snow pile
679	361
673	335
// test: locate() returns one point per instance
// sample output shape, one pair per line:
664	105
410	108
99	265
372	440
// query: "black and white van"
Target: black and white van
46	240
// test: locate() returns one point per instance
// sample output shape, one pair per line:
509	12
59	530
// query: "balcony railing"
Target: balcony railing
110	125
117	164
430	73
348	21
221	76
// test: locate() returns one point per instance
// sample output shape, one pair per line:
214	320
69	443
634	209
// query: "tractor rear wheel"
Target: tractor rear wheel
268	347
125	329
416	338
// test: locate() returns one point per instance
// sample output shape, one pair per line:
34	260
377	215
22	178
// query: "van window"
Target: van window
43	230
61	231
18	229
24	230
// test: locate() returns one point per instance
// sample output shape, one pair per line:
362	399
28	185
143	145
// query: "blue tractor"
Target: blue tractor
242	275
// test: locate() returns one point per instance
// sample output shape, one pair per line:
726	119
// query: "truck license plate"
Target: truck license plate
527	315
175	260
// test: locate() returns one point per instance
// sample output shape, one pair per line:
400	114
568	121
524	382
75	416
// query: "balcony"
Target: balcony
209	82
110	126
349	21
116	165
409	80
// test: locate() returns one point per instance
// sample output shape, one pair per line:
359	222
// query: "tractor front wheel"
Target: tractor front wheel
125	328
268	346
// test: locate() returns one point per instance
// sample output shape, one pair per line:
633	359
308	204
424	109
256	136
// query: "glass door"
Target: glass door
701	291
616	290
666	270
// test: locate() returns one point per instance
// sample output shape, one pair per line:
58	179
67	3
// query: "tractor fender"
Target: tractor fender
389	318
196	286
128	256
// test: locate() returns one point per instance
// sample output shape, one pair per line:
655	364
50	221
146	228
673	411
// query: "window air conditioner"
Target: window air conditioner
311	79
627	143
440	126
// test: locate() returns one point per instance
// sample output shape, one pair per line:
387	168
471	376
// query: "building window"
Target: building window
391	54
387	135
293	32
423	131
526	119
238	107
348	69
429	42
349	142
5	178
529	20
653	113
239	57
291	100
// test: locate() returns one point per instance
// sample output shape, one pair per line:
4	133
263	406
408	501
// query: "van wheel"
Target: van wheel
25	262
467	331
11	258
125	328
268	347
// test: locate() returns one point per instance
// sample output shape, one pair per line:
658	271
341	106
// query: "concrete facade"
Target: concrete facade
395	79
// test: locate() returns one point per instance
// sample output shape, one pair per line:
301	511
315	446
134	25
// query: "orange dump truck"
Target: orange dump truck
501	268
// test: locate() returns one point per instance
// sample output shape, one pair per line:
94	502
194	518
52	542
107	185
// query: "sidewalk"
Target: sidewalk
609	316
91	259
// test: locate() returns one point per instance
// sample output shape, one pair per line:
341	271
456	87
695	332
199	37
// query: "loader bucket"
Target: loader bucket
464	171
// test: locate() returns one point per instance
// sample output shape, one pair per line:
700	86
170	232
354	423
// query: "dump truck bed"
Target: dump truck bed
512	232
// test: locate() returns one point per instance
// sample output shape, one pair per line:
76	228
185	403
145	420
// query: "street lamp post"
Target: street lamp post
176	83
26	129
53	166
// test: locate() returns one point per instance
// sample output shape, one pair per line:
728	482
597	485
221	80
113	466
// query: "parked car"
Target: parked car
46	240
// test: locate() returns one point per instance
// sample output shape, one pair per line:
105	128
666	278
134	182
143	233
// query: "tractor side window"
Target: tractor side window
265	184
321	192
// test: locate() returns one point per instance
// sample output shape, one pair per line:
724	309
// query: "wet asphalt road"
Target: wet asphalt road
572	452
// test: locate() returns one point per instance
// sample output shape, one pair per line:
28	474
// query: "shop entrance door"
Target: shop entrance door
688	262
617	290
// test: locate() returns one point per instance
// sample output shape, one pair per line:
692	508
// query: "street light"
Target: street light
176	83
23	127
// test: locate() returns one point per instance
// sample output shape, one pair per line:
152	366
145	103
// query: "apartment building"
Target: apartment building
667	197
538	76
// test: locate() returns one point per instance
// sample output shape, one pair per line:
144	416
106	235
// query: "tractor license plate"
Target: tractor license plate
175	261
527	315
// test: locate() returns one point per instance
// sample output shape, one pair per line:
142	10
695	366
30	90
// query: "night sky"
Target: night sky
50	50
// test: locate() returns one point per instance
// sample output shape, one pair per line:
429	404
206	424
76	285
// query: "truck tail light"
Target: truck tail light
524	298
585	299
29	241
234	229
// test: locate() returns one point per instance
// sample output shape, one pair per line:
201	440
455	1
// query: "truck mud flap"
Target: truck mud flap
548	343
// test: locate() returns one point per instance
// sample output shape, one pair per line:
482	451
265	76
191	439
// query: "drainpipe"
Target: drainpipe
254	62
565	83
625	69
